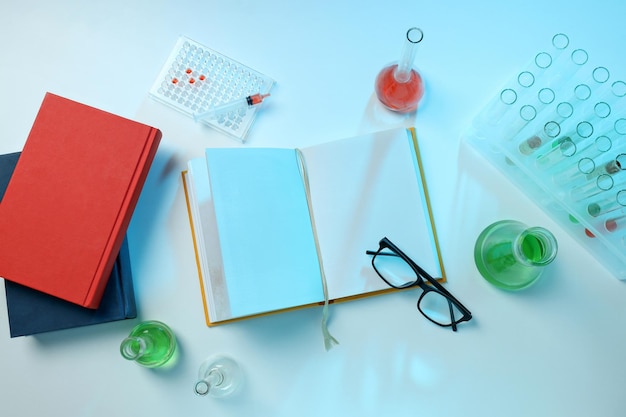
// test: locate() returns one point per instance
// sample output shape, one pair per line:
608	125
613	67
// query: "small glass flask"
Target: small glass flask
150	344
218	376
399	86
512	256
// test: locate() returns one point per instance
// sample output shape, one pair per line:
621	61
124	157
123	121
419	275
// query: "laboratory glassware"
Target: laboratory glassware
399	86
218	376
512	256
150	344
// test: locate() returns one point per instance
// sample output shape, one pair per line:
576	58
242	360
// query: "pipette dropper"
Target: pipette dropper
242	103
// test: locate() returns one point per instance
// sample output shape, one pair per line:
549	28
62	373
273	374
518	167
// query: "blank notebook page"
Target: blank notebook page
364	189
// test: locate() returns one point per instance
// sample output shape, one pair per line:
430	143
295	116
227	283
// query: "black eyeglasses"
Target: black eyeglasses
399	271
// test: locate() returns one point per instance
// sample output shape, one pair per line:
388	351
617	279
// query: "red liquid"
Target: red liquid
396	96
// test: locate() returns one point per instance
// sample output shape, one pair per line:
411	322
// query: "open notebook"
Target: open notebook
273	226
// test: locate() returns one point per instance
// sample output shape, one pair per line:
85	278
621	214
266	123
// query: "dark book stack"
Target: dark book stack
31	312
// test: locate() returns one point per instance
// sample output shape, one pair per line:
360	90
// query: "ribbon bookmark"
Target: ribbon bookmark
329	340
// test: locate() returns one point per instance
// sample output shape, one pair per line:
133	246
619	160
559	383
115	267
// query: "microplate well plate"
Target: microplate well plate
195	78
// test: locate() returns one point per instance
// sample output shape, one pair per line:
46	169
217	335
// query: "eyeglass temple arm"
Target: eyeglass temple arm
452	315
373	252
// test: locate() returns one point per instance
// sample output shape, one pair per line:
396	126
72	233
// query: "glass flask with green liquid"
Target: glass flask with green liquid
512	256
150	344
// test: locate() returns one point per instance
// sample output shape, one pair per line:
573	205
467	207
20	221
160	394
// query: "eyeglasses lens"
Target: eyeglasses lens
437	308
394	270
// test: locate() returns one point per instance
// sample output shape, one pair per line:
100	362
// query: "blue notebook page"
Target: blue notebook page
268	247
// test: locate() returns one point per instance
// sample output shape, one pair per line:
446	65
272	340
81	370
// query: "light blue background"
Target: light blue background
554	350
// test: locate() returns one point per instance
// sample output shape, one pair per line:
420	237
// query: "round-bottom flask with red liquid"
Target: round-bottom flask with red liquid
402	97
399	86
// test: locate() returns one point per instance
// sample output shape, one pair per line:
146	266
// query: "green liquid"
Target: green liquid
505	266
533	249
150	344
593	209
499	266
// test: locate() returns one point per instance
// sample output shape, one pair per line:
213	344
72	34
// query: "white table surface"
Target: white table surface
556	349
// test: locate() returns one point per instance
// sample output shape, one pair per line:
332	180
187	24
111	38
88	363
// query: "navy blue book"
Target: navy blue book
31	312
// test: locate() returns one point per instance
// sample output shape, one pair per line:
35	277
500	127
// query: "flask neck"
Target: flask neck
402	73
134	347
213	379
535	246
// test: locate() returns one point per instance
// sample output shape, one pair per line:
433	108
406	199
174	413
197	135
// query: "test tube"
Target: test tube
618	92
558	77
560	149
551	130
550	68
619	125
610	164
615	223
493	113
565	146
595	161
580	170
603	142
499	114
607	204
592	188
534	141
529	112
610	167
608	96
596	99
567	67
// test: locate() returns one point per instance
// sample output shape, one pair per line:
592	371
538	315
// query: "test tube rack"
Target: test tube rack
557	130
196	78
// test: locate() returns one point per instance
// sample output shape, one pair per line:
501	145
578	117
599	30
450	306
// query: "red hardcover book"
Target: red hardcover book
69	202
